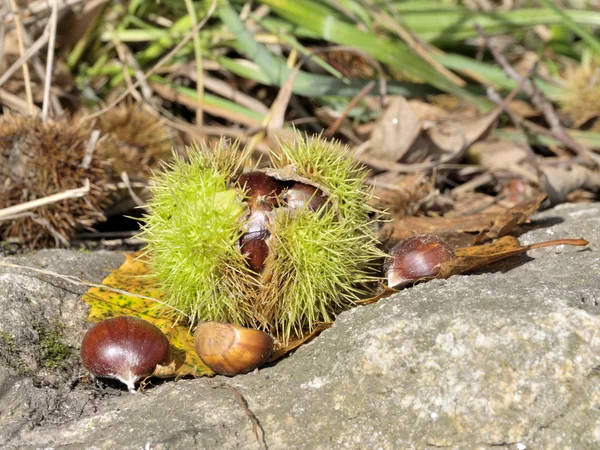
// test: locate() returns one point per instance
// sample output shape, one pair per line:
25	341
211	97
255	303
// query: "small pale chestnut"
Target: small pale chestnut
230	349
301	195
124	348
415	258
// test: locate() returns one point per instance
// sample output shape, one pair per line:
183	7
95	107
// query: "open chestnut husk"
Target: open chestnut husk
262	195
230	349
416	258
124	348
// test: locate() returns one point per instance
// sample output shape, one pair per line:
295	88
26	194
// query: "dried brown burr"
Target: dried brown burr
39	159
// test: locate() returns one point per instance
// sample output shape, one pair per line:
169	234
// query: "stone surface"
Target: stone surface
507	357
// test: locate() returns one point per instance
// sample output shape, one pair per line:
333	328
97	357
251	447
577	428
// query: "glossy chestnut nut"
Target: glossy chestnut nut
262	190
255	248
230	349
415	258
124	348
253	243
301	196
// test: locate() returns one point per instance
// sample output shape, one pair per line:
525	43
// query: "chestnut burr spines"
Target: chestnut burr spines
416	258
125	348
229	349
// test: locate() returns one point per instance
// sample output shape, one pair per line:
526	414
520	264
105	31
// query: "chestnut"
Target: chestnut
262	190
255	248
124	348
415	258
301	195
229	349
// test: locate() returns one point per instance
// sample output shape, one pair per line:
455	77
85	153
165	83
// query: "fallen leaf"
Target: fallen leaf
559	182
395	131
394	231
470	258
456	136
509	219
494	154
488	225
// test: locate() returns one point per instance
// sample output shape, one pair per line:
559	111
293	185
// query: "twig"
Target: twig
70	193
21	45
49	60
198	55
32	50
256	426
53	231
15	102
39	7
125	69
2	31
540	102
138	201
89	151
351	104
73	280
139	74
161	62
40	69
516	121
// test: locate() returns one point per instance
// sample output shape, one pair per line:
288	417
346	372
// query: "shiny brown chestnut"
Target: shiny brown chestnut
230	349
262	190
301	196
255	248
415	258
124	348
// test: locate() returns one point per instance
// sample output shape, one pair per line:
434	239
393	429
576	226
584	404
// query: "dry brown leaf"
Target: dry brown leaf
496	154
509	219
400	196
393	232
395	132
456	136
559	182
471	258
427	111
489	225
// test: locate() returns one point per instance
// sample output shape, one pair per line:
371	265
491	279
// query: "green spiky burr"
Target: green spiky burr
318	255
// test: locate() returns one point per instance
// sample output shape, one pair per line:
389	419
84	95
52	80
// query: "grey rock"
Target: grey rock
507	357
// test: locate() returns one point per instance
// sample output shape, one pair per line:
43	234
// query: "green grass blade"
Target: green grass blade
573	26
493	74
395	53
314	85
446	26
